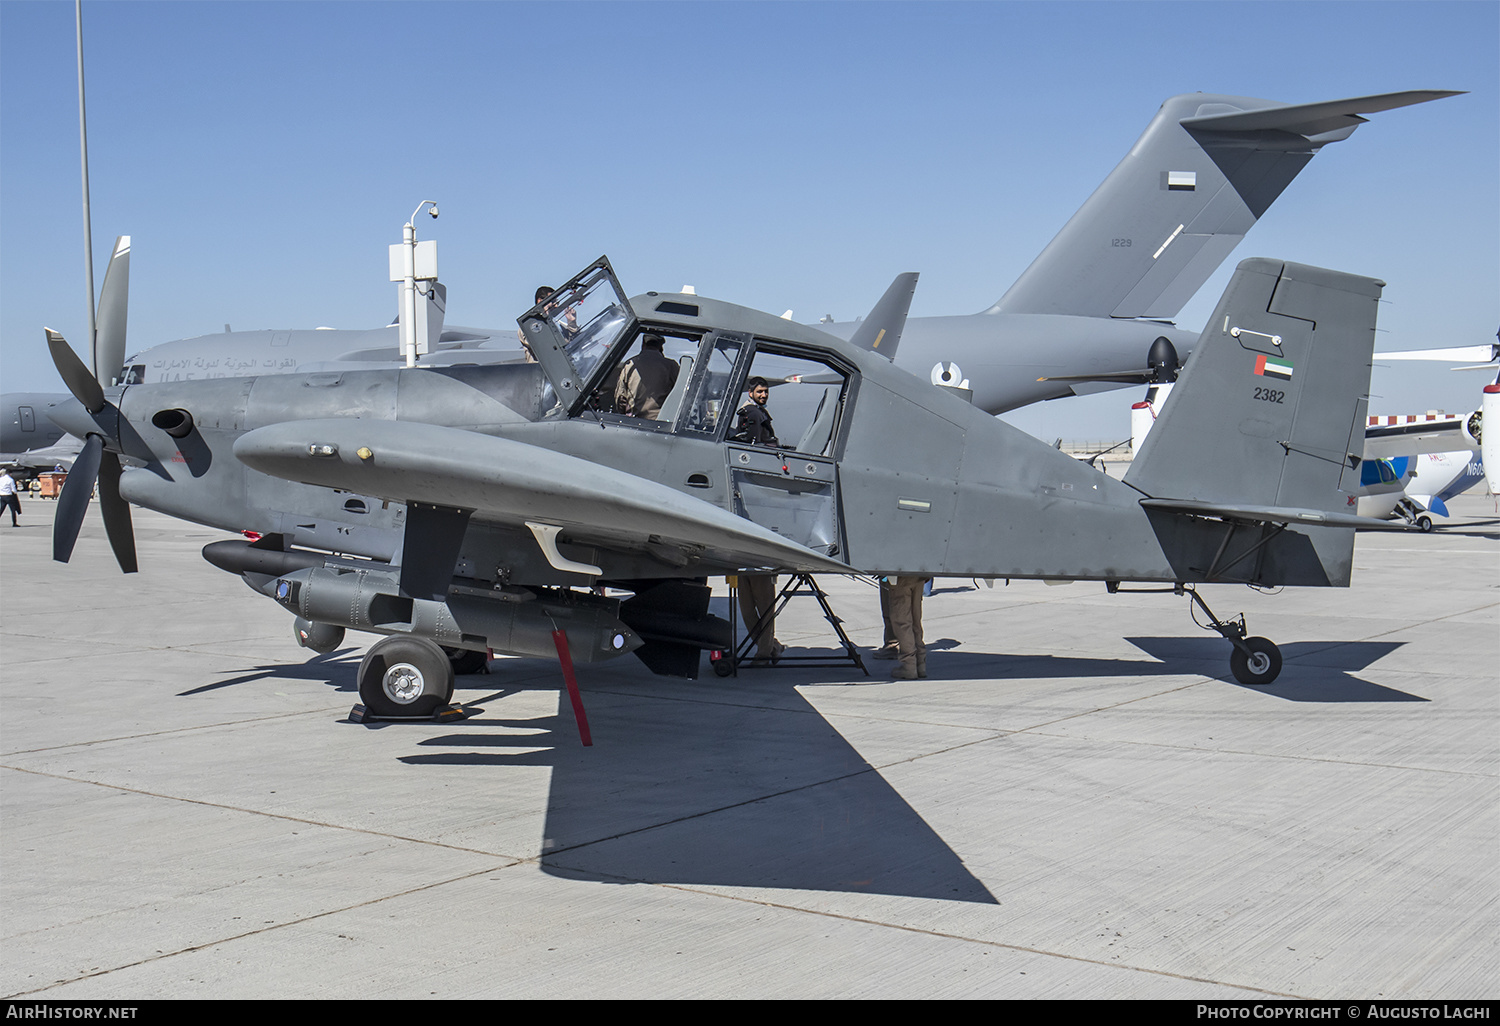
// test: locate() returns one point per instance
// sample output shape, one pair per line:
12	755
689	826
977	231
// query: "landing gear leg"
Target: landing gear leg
1254	661
466	661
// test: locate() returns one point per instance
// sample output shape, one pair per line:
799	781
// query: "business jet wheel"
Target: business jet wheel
466	661
1424	523
1261	666
405	676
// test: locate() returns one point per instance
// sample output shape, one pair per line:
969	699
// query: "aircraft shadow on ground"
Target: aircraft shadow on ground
741	782
335	669
751	787
1472	529
1312	671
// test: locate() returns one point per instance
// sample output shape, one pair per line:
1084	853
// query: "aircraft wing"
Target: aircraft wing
1456	354
506	481
46	458
1388	437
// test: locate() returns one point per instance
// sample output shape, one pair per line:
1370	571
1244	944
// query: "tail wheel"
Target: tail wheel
405	676
1261	666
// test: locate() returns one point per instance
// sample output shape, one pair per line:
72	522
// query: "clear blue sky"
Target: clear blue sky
263	156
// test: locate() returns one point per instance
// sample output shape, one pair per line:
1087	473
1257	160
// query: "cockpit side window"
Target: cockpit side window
799	406
650	379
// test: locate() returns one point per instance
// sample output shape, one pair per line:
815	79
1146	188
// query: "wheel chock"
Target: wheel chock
443	714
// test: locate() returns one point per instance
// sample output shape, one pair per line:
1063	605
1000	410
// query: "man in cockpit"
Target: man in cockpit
754	422
645	380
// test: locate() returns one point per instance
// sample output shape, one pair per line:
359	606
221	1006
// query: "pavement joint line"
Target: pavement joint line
513	859
550	853
174	730
1280	755
1436	619
252	933
972	940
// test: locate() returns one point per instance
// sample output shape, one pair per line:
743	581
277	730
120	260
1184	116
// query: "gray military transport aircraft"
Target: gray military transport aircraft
464	509
1094	309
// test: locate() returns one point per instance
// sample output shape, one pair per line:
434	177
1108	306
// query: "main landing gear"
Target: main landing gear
1254	661
403	675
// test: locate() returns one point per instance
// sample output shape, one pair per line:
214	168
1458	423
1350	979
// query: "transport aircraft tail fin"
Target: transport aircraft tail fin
1205	169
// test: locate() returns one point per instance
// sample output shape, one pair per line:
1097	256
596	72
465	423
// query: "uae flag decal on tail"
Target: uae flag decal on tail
1271	367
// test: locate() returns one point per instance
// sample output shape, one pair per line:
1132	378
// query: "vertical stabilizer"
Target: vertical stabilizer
1270	410
881	331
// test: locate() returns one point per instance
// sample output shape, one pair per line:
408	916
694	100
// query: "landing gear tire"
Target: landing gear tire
1261	666
1424	523
466	661
405	676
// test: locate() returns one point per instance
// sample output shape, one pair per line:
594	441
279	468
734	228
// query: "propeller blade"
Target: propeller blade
82	383
116	513
114	299
73	503
1128	377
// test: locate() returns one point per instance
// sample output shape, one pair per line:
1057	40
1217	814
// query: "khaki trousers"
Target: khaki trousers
905	598
757	599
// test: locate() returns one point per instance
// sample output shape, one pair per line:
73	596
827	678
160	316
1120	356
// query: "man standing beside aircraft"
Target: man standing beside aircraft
8	497
904	596
758	591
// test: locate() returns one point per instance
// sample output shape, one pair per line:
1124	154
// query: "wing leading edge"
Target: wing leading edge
508	481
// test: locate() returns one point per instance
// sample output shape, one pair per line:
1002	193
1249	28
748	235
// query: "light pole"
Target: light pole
408	278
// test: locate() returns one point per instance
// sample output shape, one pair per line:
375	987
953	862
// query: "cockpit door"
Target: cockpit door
573	332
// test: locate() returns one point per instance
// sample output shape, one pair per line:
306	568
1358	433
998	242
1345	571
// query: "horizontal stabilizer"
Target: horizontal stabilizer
1273	514
1314	118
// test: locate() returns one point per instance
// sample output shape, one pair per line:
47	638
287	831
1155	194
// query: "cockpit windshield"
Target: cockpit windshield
591	318
576	330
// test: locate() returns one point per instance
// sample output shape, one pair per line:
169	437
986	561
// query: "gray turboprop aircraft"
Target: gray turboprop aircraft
460	509
1084	316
